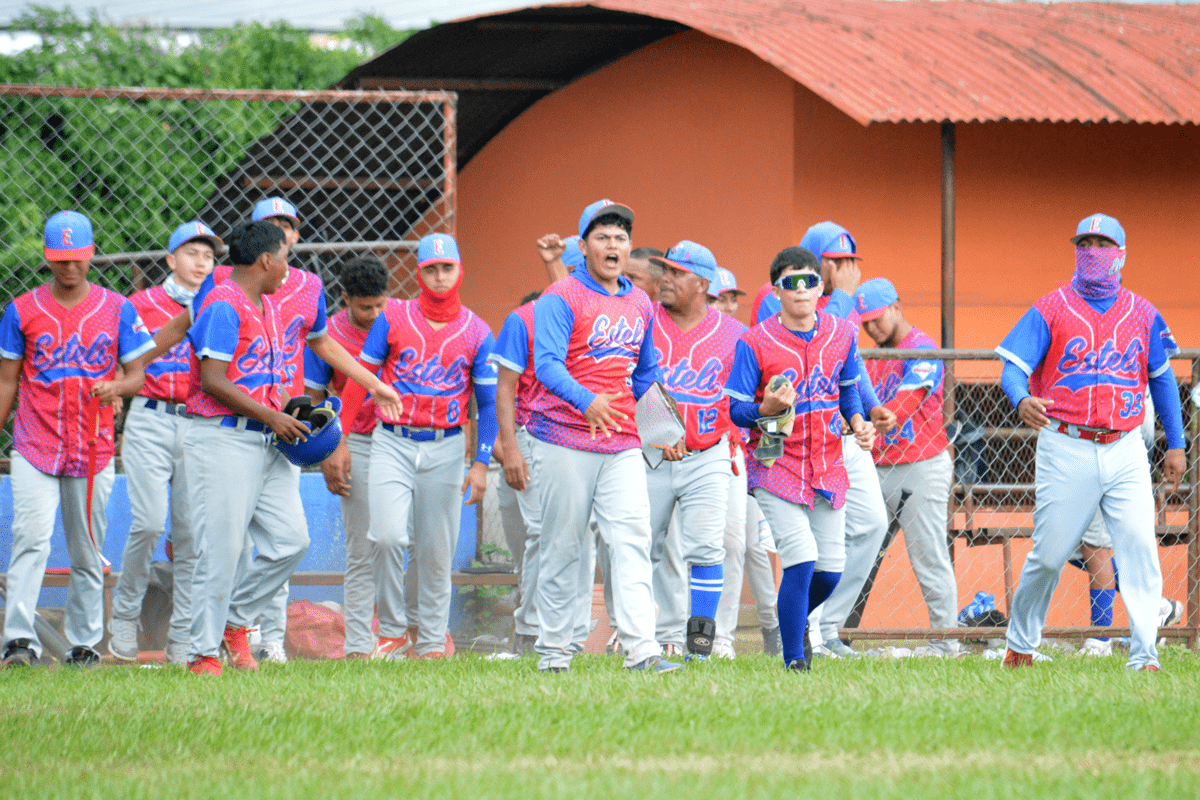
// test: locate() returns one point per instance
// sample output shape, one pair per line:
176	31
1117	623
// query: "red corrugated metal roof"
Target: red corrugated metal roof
962	61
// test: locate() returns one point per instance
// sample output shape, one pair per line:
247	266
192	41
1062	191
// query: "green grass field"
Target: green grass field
474	728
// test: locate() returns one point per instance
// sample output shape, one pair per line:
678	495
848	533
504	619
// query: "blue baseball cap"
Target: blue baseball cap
873	298
69	237
193	230
725	282
572	257
437	248
830	240
690	257
1100	225
275	207
599	208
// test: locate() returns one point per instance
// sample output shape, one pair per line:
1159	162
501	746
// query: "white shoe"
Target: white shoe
1041	656
177	653
1169	613
723	648
123	638
1096	647
272	652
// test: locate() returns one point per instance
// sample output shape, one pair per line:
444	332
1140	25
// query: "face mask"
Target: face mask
1098	272
443	306
178	293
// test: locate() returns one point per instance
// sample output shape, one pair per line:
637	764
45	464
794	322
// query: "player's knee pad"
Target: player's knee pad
700	634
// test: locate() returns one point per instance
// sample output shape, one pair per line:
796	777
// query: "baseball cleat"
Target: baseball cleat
83	657
392	647
1096	647
655	664
772	641
1013	659
839	649
18	653
554	670
1149	668
797	665
237	648
272	652
723	648
1170	613
358	656
123	638
205	665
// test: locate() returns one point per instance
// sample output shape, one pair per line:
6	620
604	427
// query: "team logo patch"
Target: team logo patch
66	237
844	242
438	248
1095	225
277	205
924	369
611	338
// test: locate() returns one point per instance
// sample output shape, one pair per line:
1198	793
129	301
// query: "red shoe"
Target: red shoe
1149	668
393	647
237	647
435	655
357	656
1013	659
205	665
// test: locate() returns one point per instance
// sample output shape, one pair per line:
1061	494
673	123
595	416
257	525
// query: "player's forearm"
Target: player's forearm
131	382
167	337
336	356
850	404
506	409
226	392
555	269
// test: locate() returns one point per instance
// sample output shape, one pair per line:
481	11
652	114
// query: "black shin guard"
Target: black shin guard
700	633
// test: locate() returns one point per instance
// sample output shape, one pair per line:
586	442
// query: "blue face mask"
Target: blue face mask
1098	272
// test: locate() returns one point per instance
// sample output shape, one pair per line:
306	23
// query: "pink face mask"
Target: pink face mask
1098	272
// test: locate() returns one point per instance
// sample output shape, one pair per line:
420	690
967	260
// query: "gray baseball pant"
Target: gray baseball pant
422	479
152	453
525	618
689	500
36	496
866	526
242	489
573	484
359	587
925	519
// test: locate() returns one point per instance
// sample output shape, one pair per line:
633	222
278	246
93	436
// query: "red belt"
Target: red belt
1097	435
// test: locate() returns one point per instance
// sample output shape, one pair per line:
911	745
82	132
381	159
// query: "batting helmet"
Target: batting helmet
326	435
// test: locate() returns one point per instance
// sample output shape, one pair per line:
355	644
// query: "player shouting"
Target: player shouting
593	352
695	351
800	362
1076	368
914	456
434	352
59	348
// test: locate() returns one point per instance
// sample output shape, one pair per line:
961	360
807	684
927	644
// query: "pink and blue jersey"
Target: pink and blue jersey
695	367
231	328
168	378
64	352
300	303
435	371
514	351
1092	359
922	435
587	341
319	375
821	364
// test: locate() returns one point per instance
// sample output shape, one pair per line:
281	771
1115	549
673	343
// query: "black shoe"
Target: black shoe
798	665
808	654
18	653
700	633
555	669
83	657
772	641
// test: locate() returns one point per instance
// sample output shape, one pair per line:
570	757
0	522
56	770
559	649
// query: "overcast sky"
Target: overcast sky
312	14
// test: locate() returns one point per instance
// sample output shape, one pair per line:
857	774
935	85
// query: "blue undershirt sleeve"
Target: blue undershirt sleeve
485	401
840	304
1165	393
867	397
646	372
1015	383
744	377
552	323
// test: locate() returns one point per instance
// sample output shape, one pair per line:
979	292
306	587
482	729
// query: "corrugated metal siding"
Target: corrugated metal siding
886	61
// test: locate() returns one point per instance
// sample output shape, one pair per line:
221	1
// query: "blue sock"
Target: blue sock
1102	607
793	609
706	589
823	584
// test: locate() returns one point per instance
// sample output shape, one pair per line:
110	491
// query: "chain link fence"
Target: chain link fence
367	172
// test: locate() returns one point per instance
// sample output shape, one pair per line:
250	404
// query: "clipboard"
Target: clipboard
658	423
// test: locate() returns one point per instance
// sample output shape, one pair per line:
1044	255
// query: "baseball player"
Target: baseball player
152	452
792	375
1076	368
59	348
593	352
364	297
913	456
695	345
241	487
745	526
434	352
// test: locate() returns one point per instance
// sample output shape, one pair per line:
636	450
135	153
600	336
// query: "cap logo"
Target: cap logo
844	241
862	302
1095	226
66	237
438	248
277	205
